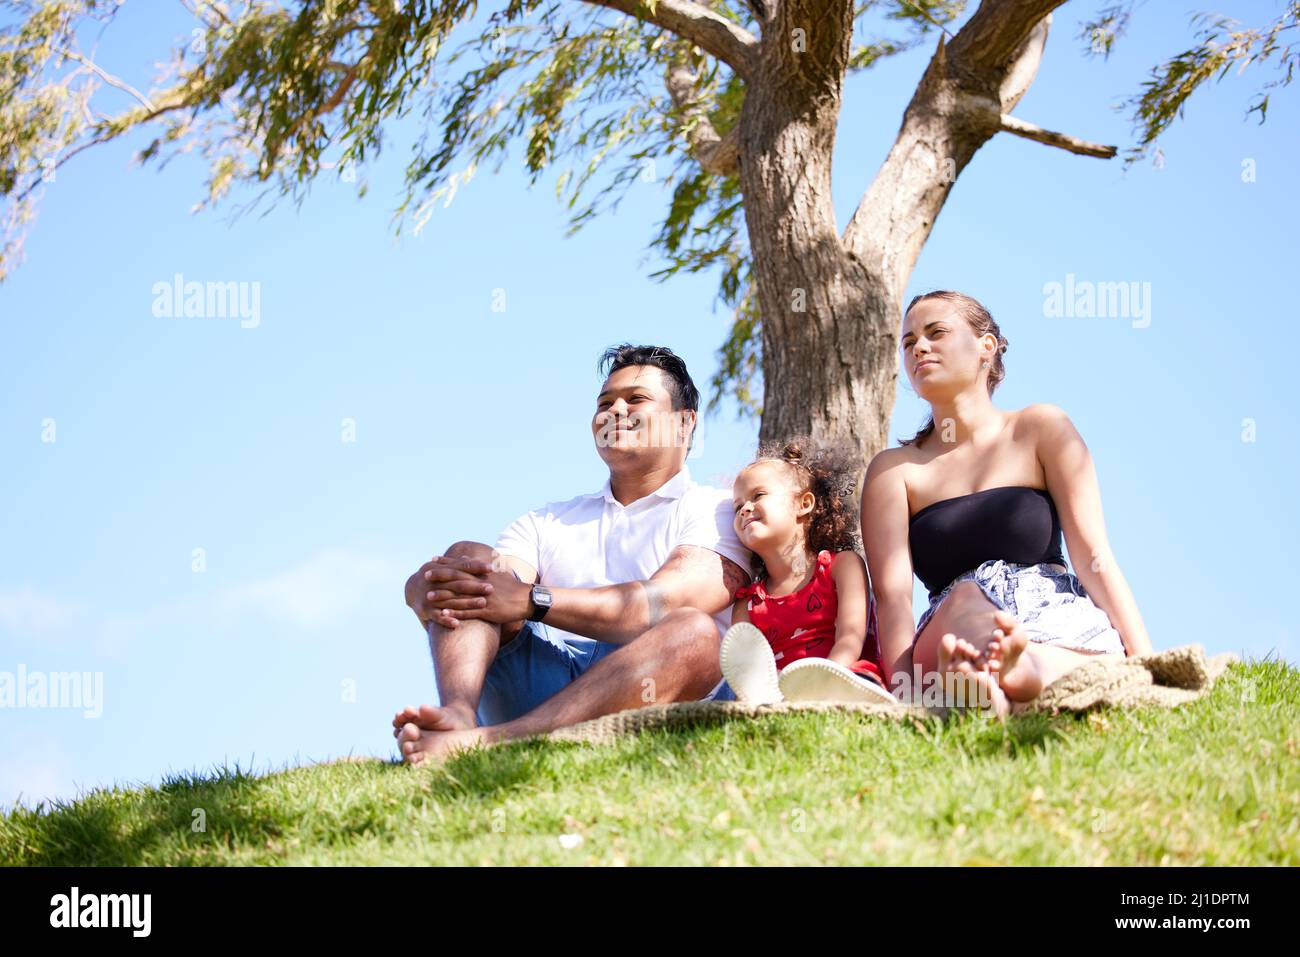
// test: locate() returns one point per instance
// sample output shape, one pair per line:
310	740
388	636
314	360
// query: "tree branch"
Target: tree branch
809	45
106	77
712	32
1029	131
992	39
763	10
969	89
1019	75
716	154
169	101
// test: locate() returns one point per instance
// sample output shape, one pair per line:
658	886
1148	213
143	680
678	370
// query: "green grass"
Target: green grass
1216	781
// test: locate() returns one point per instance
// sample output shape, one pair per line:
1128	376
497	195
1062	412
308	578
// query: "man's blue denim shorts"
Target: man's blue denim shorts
538	663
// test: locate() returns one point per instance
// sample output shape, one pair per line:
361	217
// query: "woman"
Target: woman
975	504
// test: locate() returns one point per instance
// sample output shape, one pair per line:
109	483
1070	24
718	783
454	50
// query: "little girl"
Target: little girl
806	628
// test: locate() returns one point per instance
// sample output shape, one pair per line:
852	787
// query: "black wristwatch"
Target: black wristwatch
541	598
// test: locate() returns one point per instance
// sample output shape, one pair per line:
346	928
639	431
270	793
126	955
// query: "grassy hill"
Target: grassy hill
1213	782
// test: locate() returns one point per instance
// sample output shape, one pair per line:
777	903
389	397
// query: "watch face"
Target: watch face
541	597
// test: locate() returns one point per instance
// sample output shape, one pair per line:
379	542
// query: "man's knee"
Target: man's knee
481	552
693	630
467	549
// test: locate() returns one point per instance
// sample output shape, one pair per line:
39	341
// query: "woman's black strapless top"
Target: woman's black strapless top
1015	523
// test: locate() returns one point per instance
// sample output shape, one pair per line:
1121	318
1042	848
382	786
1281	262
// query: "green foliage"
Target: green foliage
38	119
866	55
1100	33
925	14
1212	782
275	93
1223	45
740	364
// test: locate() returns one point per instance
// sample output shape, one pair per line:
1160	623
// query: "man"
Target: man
605	602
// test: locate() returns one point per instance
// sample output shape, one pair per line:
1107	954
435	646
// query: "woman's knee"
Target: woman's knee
965	596
965	605
959	610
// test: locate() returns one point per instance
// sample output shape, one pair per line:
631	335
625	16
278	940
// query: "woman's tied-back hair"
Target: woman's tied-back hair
830	473
979	319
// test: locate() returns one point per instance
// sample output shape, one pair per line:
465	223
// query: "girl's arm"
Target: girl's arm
885	516
1072	483
850	577
740	610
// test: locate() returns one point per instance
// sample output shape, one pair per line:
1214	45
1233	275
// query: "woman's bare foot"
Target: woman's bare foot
983	691
953	651
970	685
1004	656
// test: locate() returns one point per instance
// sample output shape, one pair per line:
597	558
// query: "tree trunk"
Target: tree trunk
829	364
831	306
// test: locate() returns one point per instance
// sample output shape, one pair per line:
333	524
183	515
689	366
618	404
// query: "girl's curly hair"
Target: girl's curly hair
830	473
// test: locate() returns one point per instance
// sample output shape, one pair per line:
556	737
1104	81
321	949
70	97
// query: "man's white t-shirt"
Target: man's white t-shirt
595	540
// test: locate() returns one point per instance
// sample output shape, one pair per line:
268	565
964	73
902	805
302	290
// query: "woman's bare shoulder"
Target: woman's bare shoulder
891	473
1040	414
1041	421
895	459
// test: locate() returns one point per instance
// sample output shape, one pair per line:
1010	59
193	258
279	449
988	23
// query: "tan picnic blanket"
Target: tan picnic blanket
1163	679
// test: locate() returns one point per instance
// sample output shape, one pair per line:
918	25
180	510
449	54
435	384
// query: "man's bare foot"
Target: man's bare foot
1005	657
965	683
418	745
428	718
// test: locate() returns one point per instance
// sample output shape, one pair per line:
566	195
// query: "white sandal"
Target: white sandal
820	679
748	665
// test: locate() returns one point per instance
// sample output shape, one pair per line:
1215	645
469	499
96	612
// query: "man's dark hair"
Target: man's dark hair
676	379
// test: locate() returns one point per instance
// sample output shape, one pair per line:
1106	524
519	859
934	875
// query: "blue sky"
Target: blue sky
293	644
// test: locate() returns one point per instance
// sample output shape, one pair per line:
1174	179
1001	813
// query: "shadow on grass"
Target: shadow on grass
488	771
978	734
110	828
244	815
